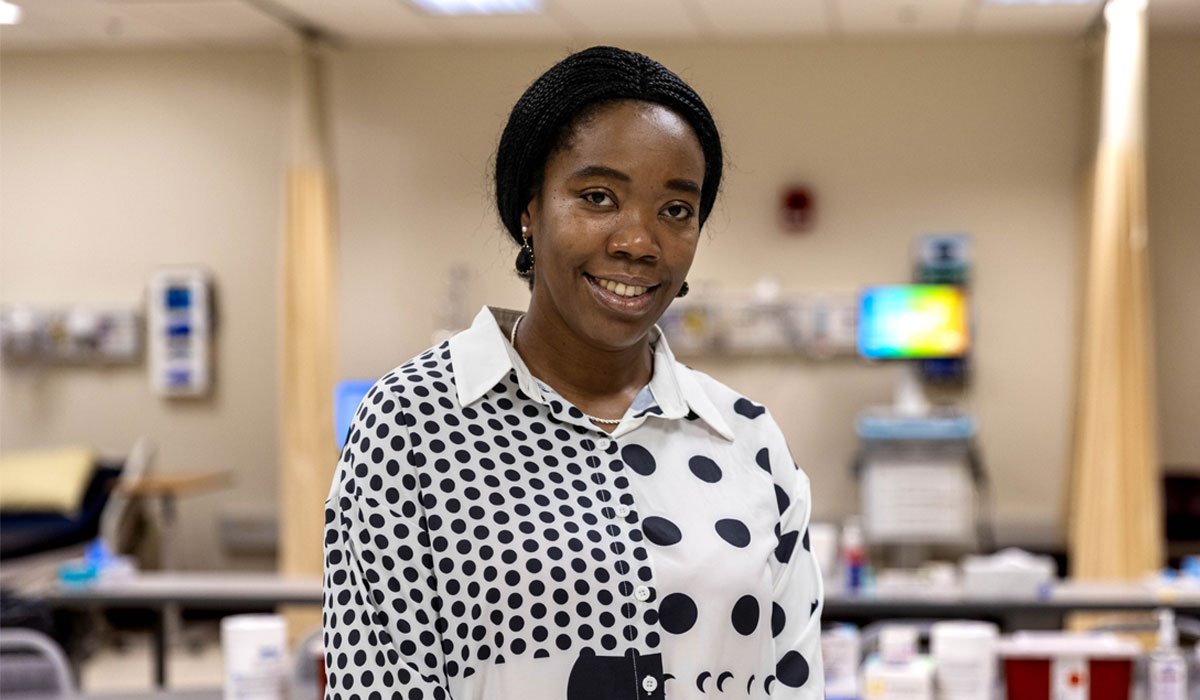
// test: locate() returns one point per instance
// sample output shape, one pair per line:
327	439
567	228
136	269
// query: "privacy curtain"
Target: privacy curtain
1115	524
308	451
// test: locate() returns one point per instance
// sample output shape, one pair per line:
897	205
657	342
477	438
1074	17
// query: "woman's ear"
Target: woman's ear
527	215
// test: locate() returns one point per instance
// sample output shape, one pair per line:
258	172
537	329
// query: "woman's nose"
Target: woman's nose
635	238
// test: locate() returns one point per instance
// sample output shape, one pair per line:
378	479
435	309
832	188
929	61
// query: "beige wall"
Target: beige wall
1174	198
114	163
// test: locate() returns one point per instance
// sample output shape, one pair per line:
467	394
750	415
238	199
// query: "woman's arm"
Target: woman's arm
798	592
380	592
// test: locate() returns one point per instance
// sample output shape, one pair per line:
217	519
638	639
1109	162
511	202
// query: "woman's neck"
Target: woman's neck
601	383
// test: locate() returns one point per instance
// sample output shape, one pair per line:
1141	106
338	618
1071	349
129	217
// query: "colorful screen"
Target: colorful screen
912	321
347	395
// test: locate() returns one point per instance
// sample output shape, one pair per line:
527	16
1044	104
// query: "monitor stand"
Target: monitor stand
909	399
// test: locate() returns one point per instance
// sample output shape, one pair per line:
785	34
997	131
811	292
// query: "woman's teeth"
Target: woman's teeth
621	289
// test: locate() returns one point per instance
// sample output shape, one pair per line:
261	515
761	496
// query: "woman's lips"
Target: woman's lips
619	303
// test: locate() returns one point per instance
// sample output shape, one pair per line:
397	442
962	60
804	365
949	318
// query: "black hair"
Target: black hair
544	117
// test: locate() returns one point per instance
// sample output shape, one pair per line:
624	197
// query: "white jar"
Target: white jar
964	654
255	652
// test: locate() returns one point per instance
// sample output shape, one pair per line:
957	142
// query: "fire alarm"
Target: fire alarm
797	209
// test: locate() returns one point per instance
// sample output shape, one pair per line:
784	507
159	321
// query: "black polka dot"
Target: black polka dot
778	619
763	459
638	459
792	670
787	544
745	615
677	613
781	499
748	408
661	531
705	469
734	532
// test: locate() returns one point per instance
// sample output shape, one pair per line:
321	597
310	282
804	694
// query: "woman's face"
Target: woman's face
616	223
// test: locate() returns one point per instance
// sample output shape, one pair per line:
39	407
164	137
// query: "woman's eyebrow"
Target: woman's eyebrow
600	171
677	184
683	186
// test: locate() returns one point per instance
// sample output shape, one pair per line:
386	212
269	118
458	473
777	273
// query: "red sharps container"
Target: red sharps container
1068	666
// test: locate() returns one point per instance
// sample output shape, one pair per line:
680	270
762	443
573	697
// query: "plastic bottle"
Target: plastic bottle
853	556
1168	670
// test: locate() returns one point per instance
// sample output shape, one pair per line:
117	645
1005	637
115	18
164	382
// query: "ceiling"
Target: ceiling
52	25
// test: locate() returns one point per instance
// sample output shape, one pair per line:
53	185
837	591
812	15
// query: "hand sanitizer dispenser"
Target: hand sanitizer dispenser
1168	670
179	332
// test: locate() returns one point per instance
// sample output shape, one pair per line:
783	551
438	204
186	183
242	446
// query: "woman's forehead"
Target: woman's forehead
632	130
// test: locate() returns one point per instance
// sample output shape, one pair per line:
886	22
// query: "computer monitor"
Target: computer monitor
347	395
913	322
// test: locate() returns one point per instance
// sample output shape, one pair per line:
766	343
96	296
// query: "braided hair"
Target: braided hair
569	93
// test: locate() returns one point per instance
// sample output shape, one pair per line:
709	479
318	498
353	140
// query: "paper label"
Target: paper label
1069	678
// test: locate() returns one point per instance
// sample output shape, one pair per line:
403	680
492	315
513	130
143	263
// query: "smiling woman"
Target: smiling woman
548	506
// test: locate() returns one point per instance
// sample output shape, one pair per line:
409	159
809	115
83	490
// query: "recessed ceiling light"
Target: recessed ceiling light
9	13
1041	2
479	7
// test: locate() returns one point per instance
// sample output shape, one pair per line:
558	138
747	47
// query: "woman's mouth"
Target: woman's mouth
620	296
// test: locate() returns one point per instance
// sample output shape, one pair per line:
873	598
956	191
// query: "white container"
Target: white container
964	655
898	643
823	539
1008	574
255	651
841	654
912	680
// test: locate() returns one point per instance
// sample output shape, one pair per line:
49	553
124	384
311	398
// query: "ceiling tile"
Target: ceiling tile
1037	19
208	21
365	20
854	17
753	18
631	19
503	28
78	24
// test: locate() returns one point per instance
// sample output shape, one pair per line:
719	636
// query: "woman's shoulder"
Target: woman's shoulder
430	367
734	406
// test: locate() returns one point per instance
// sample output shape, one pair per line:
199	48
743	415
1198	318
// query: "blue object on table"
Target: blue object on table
894	427
347	395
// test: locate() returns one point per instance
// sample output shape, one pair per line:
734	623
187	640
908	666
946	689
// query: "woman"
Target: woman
548	506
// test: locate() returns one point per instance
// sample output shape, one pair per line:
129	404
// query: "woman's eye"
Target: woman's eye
679	211
600	199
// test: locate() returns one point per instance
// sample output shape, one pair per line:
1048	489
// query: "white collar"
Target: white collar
482	356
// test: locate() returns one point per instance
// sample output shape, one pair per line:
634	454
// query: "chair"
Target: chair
106	511
32	665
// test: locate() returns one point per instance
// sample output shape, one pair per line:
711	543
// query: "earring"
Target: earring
683	290
525	255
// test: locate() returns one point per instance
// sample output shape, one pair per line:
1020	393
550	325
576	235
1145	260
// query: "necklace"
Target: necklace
512	339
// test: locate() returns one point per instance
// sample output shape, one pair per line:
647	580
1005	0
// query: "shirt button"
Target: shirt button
649	684
643	594
622	511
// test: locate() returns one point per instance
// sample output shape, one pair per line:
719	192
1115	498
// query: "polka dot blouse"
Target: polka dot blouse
484	540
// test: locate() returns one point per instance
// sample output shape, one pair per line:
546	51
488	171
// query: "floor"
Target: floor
130	667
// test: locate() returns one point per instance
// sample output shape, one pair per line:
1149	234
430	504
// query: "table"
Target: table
1064	598
168	592
162	592
182	694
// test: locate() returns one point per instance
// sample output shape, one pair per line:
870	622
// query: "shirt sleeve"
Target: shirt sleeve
380	598
798	595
